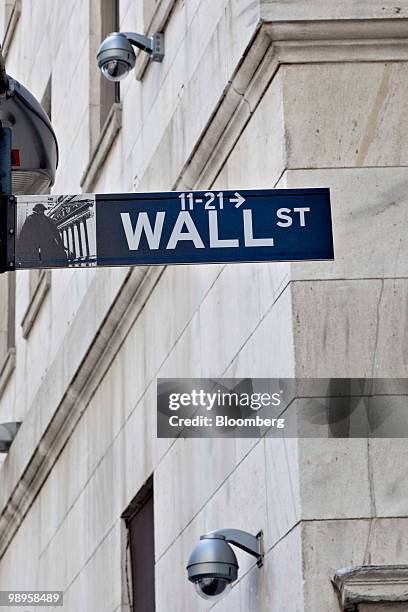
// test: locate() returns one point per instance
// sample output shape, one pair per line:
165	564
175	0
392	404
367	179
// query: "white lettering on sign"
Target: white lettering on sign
184	219
216	242
285	215
143	225
238	200
250	241
192	198
302	212
185	229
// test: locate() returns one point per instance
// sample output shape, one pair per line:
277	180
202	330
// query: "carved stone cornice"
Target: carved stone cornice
372	584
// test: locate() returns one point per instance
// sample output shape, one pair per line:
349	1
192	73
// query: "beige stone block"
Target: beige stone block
386	545
345	115
129	16
98	587
269	351
61	13
350	328
370	226
193	25
231	602
64	484
281	581
105	416
391	357
125	443
72	558
326	547
231	312
241	503
253	587
282	487
132	116
334	478
71	42
177	594
388	461
136	447
184	358
17	570
183	288
41	67
185	479
68	180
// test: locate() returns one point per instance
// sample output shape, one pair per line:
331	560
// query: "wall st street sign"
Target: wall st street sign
163	228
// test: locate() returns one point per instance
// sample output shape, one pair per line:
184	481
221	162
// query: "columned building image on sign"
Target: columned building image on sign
104	491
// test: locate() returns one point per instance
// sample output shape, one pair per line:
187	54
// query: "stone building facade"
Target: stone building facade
251	94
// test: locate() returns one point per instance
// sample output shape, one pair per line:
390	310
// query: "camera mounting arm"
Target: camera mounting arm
153	45
253	545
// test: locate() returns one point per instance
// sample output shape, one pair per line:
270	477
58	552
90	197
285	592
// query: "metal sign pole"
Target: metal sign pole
7	205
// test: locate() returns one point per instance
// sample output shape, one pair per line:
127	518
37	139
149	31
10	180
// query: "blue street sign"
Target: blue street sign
195	227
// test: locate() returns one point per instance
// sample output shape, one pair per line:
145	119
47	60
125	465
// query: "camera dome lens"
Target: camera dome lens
115	70
212	588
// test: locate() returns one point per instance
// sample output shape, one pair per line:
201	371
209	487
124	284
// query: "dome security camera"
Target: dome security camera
116	57
212	566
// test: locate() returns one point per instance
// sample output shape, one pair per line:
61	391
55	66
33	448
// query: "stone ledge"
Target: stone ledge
340	40
109	132
37	299
356	30
11	26
321	10
371	584
7	368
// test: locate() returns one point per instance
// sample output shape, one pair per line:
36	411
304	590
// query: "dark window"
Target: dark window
139	519
110	92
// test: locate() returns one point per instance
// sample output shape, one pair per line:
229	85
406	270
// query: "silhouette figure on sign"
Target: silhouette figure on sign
40	242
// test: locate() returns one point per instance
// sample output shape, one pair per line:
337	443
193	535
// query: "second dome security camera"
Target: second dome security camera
116	56
212	566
